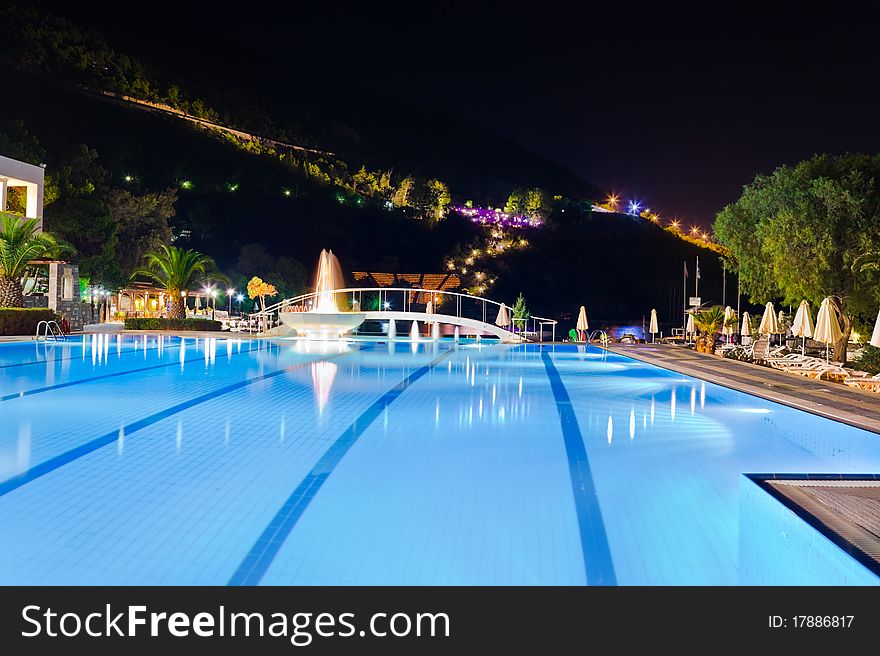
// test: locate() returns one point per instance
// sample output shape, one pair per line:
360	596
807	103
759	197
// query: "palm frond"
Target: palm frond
175	268
21	243
866	261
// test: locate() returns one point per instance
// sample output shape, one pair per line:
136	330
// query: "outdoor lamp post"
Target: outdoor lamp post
229	294
213	302
239	298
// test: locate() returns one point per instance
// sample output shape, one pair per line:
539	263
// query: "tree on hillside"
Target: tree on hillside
516	203
797	232
537	205
534	203
401	195
141	224
112	229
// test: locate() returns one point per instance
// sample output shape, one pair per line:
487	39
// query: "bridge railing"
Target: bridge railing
379	299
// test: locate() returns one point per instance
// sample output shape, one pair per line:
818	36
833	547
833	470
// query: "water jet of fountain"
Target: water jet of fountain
324	320
435	331
392	329
455	334
328	279
414	331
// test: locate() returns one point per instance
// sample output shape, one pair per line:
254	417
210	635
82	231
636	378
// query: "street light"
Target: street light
229	294
239	298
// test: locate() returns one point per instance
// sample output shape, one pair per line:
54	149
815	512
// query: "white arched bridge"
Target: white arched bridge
472	315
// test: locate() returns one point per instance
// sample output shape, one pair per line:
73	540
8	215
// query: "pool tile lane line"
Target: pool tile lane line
115	374
257	561
67	457
77	357
598	565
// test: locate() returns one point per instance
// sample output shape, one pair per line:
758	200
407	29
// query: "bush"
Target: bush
23	321
870	360
159	323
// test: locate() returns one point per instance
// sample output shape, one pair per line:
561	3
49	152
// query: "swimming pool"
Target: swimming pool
159	460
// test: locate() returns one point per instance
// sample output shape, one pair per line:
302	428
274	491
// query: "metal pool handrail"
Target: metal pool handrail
383	292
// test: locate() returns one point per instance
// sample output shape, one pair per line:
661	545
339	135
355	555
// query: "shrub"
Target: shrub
870	360
23	321
161	323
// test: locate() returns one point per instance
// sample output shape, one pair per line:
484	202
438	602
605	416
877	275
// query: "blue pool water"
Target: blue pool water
151	460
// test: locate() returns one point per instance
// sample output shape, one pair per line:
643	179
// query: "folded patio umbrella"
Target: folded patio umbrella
652	328
802	326
689	328
875	336
728	329
827	326
582	324
746	330
769	322
503	318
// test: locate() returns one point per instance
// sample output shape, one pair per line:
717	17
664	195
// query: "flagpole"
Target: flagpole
738	294
697	279
723	284
684	300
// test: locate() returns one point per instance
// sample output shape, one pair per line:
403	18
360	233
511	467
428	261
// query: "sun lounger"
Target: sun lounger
864	381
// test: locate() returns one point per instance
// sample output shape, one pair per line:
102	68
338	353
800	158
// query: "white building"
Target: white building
20	174
62	294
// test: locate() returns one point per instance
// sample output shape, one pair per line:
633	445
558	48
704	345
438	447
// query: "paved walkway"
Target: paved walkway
833	400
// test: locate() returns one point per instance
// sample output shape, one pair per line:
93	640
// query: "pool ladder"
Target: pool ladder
51	330
601	335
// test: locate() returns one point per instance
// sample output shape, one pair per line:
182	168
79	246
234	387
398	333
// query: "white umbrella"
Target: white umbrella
728	329
802	326
582	324
689	328
503	318
875	336
827	327
652	328
429	308
198	302
769	322
746	330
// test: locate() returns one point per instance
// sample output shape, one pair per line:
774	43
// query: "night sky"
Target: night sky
677	110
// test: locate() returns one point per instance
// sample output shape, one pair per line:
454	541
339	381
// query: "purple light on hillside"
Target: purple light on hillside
497	217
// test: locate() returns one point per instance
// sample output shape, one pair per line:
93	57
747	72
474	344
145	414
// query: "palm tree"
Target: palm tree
22	242
708	322
176	270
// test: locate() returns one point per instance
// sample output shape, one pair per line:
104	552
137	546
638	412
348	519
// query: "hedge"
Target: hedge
23	321
160	323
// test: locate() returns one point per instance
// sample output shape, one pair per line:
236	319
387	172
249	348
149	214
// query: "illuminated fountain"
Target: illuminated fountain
325	320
